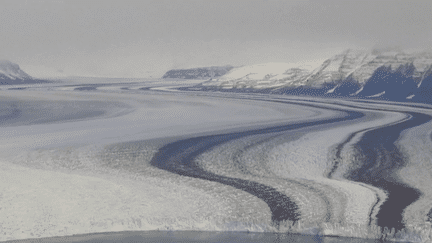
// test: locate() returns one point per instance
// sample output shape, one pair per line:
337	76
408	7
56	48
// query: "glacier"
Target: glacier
77	157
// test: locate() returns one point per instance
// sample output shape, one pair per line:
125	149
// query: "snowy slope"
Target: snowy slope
387	74
340	66
358	65
263	76
11	71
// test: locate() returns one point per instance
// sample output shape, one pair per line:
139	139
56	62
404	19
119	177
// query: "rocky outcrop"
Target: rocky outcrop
424	91
397	84
197	73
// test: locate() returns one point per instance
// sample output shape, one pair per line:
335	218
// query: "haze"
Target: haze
139	39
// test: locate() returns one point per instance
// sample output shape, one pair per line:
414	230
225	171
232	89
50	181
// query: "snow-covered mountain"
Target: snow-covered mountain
11	72
197	73
262	76
387	74
360	65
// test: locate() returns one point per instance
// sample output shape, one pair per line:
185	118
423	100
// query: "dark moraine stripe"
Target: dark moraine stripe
85	88
179	157
380	162
9	111
382	159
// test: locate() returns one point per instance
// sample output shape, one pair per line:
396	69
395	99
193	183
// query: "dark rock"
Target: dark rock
197	73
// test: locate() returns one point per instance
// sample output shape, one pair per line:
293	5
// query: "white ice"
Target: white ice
52	182
55	180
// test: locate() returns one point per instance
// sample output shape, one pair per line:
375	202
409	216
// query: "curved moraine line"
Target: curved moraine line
381	161
178	157
379	164
264	174
231	159
338	159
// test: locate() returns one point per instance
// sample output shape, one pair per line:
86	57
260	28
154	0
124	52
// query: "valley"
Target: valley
144	156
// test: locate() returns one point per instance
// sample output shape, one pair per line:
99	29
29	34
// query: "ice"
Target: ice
416	143
63	175
55	182
302	156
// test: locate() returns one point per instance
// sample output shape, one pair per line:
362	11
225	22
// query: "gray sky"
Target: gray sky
126	38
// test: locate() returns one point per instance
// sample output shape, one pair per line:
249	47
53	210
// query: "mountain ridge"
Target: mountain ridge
198	73
380	74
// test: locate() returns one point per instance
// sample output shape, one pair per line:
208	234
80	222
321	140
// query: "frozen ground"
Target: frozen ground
77	162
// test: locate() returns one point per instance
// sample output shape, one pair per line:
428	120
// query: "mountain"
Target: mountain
377	74
261	76
11	73
197	73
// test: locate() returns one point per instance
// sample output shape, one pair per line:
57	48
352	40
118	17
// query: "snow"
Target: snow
259	71
12	70
356	64
376	95
358	91
334	65
7	74
332	90
262	75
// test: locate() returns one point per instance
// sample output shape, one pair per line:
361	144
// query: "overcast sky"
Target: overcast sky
142	38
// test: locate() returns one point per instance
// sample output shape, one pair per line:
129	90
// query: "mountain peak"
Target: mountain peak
12	71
